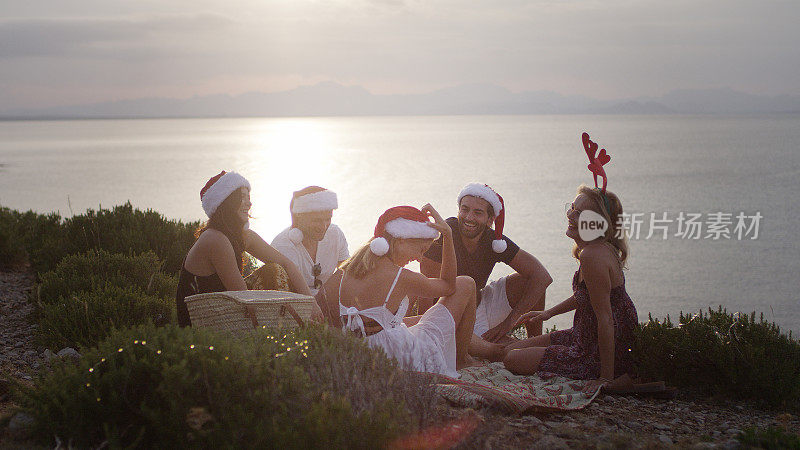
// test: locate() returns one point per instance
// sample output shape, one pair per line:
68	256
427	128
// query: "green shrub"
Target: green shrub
85	318
178	387
385	401
770	438
40	235
126	230
47	239
98	268
730	355
12	250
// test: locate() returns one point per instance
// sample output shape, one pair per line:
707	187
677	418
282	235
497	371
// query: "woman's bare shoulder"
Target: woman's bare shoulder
597	256
213	240
597	253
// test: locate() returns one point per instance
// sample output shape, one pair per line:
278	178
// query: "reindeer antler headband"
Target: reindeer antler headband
596	164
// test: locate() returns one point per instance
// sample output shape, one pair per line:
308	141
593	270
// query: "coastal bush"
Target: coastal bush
126	230
84	318
383	400
99	268
12	251
178	387
40	235
770	438
728	355
123	229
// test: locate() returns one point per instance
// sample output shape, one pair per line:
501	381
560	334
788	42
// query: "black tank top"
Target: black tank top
191	284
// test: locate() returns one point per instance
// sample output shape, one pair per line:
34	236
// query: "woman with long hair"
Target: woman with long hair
214	263
370	294
598	346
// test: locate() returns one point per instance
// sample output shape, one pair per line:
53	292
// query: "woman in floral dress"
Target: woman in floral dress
597	347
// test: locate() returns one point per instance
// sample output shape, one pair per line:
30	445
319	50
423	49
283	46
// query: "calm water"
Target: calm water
672	164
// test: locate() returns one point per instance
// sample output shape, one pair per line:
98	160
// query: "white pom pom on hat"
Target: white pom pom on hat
499	245
296	235
402	222
379	246
484	192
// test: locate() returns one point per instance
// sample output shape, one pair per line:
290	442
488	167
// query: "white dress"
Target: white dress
428	346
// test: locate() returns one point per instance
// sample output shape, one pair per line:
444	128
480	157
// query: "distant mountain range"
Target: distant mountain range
332	99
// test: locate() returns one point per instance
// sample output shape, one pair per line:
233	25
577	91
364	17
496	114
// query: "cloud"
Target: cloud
603	48
97	36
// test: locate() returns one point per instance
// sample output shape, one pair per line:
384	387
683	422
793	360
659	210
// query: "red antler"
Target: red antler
596	163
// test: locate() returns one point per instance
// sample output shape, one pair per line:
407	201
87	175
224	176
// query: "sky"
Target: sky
86	51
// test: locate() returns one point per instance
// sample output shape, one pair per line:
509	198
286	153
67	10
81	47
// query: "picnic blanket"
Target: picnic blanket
494	386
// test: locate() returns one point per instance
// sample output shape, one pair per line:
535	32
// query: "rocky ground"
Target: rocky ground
19	357
628	422
609	422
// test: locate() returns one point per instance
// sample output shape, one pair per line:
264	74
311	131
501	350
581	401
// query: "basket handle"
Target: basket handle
250	312
285	307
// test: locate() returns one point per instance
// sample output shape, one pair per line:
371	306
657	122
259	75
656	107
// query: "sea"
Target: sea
712	201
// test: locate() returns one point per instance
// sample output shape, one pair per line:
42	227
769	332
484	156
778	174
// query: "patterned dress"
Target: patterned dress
573	352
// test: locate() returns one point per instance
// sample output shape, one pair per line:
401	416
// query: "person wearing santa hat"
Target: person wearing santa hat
369	294
478	248
313	243
214	263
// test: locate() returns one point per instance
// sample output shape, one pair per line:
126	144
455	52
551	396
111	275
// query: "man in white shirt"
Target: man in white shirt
313	243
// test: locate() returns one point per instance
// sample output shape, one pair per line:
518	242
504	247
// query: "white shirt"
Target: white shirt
330	250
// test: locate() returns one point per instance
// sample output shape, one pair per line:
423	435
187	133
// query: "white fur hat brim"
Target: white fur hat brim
480	190
318	201
410	229
219	191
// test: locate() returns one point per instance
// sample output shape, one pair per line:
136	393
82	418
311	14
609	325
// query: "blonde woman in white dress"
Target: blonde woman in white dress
371	290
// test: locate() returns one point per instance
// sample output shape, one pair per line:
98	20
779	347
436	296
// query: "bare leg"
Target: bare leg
462	306
481	348
516	288
524	361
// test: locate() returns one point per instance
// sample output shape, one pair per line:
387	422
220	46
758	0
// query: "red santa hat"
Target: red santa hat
310	199
401	222
483	191
218	188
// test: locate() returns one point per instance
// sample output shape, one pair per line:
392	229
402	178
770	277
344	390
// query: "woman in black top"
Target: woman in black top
214	263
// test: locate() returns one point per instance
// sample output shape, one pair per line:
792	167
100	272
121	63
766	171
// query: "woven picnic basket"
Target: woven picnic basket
238	311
